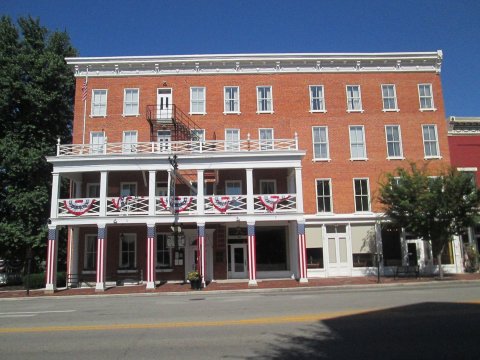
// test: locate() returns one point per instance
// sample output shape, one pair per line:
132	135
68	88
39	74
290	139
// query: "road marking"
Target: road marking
240	322
37	312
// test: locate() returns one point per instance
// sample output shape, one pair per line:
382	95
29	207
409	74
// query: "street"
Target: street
438	321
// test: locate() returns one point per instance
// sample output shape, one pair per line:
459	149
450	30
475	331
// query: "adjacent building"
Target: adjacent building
243	166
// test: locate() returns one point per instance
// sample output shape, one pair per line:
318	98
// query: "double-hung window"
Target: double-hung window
128	251
164	253
430	141
357	143
394	142
354	98
268	186
264	99
97	141
324	196
362	197
320	143
128	189
317	99
232	100
197	100
90	257
99	102
266	139
425	97
129	141
389	98
130	102
232	139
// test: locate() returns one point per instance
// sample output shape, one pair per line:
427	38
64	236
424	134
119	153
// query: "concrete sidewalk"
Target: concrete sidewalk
232	285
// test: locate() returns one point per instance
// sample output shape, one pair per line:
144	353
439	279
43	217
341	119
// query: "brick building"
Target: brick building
242	166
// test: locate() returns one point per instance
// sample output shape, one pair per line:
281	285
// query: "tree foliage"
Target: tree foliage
36	107
431	207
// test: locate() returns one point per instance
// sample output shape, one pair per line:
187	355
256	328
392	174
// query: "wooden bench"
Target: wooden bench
409	270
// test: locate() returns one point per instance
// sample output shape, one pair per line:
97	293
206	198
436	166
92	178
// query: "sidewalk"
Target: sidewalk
241	285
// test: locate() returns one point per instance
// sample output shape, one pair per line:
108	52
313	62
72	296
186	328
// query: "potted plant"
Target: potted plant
195	280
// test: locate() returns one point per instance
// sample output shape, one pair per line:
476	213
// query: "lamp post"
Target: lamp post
29	264
378	259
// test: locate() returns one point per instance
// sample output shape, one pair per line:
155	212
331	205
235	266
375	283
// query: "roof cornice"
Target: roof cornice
257	63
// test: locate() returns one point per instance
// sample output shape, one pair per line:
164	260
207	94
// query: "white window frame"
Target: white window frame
121	251
98	107
265	144
394	97
267	100
200	102
394	157
351	99
364	158
236	182
166	143
329	180
232	145
227	101
94	147
89	188
315	158
86	253
167	250
129	147
420	97
320	99
123	183
267	181
355	196
161	188
437	146
134	103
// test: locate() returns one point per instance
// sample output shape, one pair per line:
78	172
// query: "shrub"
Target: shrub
37	281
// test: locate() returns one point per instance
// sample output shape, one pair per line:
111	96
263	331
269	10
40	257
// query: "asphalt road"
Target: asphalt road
432	321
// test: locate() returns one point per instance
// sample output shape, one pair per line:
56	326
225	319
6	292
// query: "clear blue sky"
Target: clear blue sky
160	27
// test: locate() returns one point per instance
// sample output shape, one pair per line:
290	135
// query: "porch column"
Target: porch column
103	192
302	252
152	204
200	193
101	257
151	256
55	192
201	251
404	247
250	199
72	260
378	239
252	254
298	185
51	276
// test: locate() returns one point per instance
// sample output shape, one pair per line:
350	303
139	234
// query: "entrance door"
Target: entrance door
238	261
412	254
164	137
164	104
338	264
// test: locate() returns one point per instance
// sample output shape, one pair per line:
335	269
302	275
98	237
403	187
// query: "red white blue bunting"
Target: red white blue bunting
271	201
179	203
122	201
78	207
221	203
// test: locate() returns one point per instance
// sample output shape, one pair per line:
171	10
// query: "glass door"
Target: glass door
338	251
238	261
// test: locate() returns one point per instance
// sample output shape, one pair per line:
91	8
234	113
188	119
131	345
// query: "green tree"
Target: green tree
431	207
36	107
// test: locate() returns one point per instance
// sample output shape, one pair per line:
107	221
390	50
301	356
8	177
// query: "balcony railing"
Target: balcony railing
182	205
207	146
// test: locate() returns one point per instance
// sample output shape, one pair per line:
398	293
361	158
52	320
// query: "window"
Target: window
164	253
233	187
394	142
357	143
266	139
93	190
161	188
198	138
128	250
164	137
389	98
129	142
425	96
317	100
232	139
197	100
362	198
268	187
130	102
430	143
128	189
354	100
99	103
232	100
324	195
97	141
320	143
264	99
90	257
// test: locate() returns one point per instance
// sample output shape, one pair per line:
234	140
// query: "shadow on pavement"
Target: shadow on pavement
430	330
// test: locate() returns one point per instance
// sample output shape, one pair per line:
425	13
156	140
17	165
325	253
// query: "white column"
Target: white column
252	254
101	257
302	252
151	192
403	244
298	185
200	193
51	281
103	192
55	191
78	189
169	185
73	270
151	256
250	199
201	251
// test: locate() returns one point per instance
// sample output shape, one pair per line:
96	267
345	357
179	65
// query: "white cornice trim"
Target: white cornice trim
256	63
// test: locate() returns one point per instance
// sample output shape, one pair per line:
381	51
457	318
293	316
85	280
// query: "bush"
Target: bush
37	281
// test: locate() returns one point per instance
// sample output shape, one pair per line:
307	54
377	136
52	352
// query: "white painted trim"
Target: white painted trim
437	142
225	112
262	181
359	98
364	143
400	157
92	103
271	100
331	196
327	141
396	109
369	195
204	112
432	108
324	110
125	102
